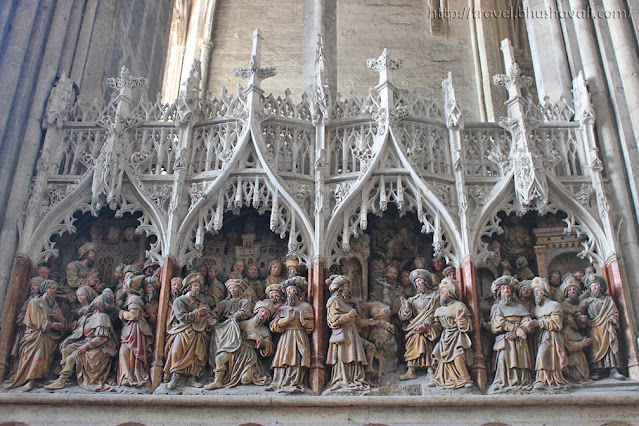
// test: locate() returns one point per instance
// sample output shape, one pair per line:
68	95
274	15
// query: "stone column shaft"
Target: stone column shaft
626	324
469	280
157	366
17	295
319	342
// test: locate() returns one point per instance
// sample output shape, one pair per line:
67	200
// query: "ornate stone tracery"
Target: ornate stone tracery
317	168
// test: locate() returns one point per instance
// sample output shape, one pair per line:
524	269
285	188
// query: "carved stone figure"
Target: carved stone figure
44	326
452	351
418	315
388	290
90	349
381	335
346	354
136	338
574	327
82	272
511	322
437	268
227	335
603	321
274	273
216	288
275	295
253	280
188	337
551	354
523	270
294	320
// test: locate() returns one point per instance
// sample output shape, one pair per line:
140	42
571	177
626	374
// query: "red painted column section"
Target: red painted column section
469	283
319	340
624	305
16	295
168	270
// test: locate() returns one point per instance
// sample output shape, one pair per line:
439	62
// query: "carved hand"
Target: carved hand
405	304
511	335
521	333
352	313
586	342
55	326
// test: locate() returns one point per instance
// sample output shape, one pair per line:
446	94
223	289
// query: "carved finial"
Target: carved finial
253	74
384	65
125	81
454	117
320	95
513	81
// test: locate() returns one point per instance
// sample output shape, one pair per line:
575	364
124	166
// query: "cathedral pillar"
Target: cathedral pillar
319	343
17	293
624	304
319	18
157	366
469	280
552	73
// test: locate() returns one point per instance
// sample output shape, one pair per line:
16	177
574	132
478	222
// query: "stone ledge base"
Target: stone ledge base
360	410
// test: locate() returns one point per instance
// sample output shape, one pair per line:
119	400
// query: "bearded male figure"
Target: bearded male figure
275	275
253	280
452	351
82	271
551	354
90	349
137	337
418	315
227	335
294	320
574	327
44	327
346	354
188	337
511	323
603	319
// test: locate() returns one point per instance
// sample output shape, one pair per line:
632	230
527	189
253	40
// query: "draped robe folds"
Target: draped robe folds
188	339
577	369
94	365
419	345
245	366
452	350
602	316
137	339
347	357
38	343
293	355
79	275
551	354
512	357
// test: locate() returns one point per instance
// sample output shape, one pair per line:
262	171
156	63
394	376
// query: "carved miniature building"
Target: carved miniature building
527	154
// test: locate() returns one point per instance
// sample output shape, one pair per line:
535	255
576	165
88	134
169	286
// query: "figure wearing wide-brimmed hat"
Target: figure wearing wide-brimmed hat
417	314
603	320
82	271
452	351
511	323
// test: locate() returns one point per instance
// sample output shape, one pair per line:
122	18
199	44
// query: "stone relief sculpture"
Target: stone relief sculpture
44	326
346	354
293	321
91	348
603	323
82	271
188	336
575	324
551	353
452	351
512	323
417	314
136	336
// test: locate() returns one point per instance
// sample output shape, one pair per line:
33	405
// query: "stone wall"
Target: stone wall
365	28
281	24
